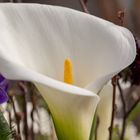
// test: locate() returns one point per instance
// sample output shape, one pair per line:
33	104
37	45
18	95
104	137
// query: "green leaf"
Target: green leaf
5	132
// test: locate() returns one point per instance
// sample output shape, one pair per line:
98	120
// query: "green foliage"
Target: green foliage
116	133
41	137
5	132
134	113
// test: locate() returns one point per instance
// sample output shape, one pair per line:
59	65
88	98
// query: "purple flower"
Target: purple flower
3	89
135	67
132	73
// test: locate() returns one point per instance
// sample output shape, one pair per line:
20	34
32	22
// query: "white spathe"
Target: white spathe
36	39
104	112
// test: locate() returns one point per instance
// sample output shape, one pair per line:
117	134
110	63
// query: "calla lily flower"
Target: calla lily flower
104	112
36	39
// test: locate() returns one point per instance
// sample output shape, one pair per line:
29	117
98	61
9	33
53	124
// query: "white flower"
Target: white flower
104	112
36	39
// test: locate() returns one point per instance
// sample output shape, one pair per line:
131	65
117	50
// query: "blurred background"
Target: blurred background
26	111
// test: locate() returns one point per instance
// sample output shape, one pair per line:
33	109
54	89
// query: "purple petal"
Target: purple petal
3	96
1	78
4	83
